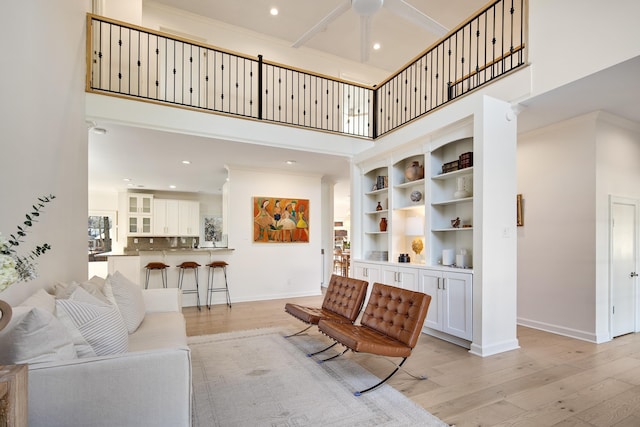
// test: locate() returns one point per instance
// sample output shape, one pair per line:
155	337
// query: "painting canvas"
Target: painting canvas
280	220
212	228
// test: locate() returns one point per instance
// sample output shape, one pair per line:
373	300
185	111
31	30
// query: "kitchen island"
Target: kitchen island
131	264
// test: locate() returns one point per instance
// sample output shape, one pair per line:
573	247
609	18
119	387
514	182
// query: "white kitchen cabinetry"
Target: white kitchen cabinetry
189	218
139	214
451	307
165	217
402	277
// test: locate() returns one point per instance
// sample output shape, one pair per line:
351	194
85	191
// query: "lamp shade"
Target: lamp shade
414	226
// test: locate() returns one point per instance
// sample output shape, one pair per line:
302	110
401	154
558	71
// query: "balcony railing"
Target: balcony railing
130	61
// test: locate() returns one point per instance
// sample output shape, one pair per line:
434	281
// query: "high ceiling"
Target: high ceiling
152	159
400	39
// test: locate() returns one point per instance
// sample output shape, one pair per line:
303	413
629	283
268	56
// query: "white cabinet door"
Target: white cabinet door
451	306
458	302
189	218
140	204
402	277
165	217
431	284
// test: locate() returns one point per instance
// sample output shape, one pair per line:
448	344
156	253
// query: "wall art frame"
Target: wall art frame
280	220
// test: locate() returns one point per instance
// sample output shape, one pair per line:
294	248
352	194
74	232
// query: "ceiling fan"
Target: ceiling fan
366	9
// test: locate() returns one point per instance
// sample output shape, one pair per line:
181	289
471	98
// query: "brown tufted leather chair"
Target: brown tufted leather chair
342	304
391	325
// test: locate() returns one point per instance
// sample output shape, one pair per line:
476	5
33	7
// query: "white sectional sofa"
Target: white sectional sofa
148	385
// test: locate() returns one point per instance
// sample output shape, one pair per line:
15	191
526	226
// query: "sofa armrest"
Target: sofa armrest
134	389
166	299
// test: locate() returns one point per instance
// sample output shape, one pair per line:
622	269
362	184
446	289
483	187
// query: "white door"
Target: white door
623	267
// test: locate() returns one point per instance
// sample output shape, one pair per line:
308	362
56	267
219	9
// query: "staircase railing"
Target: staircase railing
135	62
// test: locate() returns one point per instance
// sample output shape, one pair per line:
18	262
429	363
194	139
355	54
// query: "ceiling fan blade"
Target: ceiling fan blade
411	14
365	37
320	26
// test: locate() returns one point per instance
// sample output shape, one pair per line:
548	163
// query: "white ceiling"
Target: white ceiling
152	159
401	40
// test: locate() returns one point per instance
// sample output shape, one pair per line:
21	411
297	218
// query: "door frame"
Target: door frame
624	200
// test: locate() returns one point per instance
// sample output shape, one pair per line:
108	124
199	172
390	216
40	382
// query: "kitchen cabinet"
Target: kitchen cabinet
139	214
188	218
165	217
451	307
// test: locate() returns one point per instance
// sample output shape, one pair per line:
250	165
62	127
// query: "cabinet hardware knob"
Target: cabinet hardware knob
634	274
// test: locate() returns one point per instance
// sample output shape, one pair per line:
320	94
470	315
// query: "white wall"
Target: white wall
617	174
260	271
44	136
566	173
571	39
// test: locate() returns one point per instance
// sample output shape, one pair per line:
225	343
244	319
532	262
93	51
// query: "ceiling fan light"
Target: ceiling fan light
366	7
376	46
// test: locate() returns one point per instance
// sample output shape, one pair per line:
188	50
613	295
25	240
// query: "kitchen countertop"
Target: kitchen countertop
166	251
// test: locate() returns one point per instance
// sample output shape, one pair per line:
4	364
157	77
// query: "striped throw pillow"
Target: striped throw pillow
99	324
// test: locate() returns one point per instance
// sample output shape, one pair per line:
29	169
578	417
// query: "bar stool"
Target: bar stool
189	265
210	281
159	266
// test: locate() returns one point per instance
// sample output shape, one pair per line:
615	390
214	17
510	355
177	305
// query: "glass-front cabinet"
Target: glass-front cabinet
140	214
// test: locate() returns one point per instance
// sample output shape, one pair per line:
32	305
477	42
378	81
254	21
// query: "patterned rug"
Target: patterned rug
259	378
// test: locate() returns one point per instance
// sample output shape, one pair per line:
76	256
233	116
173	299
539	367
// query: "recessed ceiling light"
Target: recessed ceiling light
129	185
290	162
127	179
273	11
376	46
186	162
172	186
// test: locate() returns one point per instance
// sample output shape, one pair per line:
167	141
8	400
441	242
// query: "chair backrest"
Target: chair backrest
345	296
397	313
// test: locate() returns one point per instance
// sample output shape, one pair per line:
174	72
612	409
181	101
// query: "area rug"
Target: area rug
260	378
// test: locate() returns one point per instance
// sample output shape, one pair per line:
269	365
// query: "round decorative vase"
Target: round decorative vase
416	196
379	207
414	171
383	224
5	312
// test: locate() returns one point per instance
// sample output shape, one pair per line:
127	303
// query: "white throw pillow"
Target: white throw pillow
34	335
129	299
99	324
41	299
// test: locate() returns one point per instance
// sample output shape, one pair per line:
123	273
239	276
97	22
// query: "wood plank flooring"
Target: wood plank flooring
550	381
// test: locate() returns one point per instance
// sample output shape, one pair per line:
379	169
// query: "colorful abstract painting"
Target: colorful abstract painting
280	220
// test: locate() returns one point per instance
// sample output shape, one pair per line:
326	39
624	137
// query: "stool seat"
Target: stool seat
189	265
162	267
210	282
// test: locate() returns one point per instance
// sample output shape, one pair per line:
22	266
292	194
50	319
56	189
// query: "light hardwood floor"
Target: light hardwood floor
550	381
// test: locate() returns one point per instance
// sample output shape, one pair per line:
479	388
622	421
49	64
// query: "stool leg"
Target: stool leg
209	286
163	273
195	270
226	286
146	282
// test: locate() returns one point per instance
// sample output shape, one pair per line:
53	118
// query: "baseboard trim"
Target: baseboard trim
490	350
561	330
446	337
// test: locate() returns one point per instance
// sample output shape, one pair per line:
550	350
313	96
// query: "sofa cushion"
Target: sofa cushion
34	335
159	330
100	324
128	297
